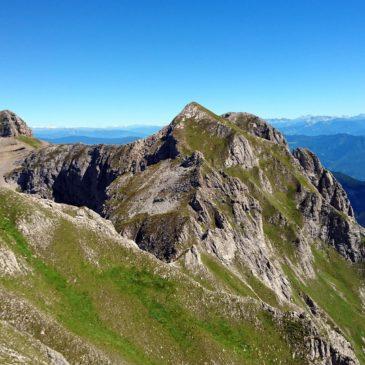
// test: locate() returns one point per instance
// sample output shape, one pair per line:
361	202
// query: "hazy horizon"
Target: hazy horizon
161	124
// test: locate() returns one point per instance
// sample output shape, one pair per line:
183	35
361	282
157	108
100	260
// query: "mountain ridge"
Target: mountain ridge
222	200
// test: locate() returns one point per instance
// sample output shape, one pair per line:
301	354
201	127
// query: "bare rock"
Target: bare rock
256	126
12	126
324	181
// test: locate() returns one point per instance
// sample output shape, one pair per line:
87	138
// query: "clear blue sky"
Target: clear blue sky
100	63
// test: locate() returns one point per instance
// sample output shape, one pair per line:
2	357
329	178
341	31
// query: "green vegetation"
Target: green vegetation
76	309
249	286
336	289
31	141
227	278
111	301
202	136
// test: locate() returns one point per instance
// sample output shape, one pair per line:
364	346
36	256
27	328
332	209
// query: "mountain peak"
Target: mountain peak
195	111
12	125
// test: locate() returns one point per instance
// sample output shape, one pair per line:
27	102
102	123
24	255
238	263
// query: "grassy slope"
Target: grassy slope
336	289
31	141
128	304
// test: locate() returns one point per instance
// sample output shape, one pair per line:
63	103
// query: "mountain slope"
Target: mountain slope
220	202
339	152
70	282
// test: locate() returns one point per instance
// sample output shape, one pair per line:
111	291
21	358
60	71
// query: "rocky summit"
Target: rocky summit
209	242
13	126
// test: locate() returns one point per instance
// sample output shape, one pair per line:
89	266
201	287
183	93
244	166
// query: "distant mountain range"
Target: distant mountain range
319	125
115	135
91	140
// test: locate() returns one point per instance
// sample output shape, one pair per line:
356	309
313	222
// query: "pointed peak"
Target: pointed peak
195	111
11	125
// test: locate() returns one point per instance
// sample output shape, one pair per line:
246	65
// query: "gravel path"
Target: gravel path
12	152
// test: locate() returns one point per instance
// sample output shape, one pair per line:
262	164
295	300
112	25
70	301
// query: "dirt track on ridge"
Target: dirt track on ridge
12	153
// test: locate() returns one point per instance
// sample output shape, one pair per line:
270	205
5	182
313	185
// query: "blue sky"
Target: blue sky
102	63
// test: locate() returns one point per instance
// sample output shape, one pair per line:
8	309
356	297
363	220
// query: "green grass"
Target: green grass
30	141
226	277
76	309
336	290
250	286
203	137
129	303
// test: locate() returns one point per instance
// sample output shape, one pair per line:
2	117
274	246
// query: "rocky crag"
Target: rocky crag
222	200
16	142
13	126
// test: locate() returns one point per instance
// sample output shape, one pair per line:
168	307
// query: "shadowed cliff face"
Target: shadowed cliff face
222	198
80	174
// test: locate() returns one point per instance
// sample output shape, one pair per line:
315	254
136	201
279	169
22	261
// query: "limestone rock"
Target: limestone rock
13	126
324	181
256	126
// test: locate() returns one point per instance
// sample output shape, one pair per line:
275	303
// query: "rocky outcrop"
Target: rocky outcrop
256	126
333	349
241	153
324	181
322	345
13	126
324	216
80	174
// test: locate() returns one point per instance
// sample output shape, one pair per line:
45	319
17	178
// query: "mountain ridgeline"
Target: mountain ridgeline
237	250
182	175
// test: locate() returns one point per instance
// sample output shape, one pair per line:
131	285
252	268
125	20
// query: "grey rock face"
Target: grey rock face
335	350
80	174
12	126
240	153
256	126
324	217
324	222
324	181
322	344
